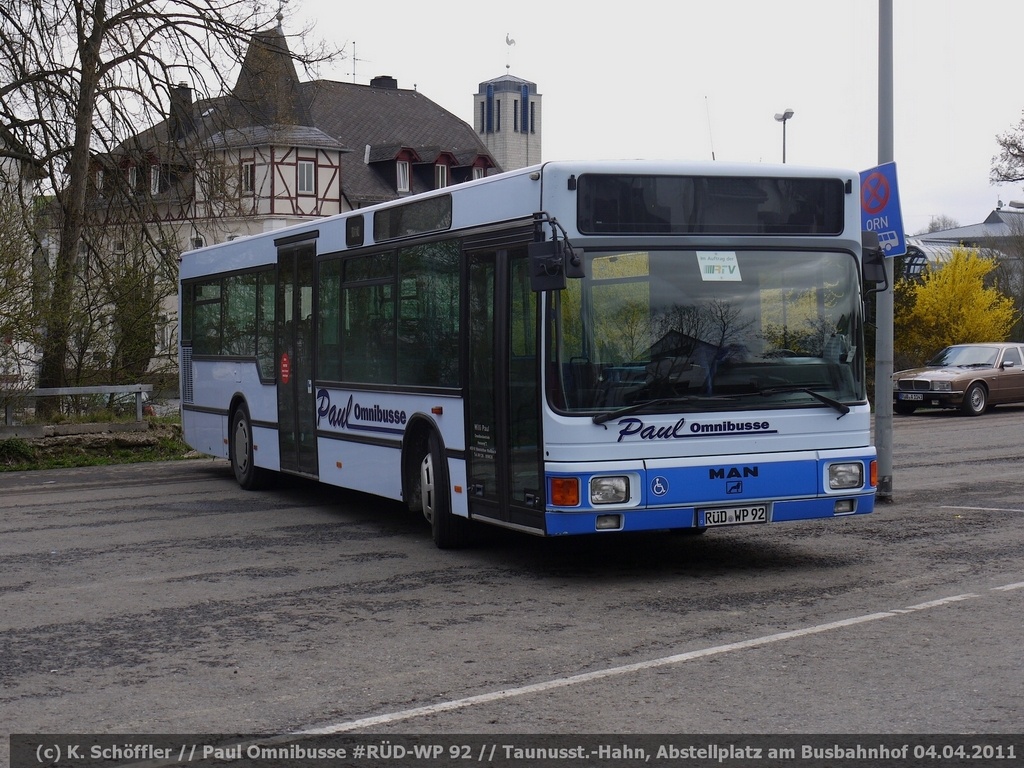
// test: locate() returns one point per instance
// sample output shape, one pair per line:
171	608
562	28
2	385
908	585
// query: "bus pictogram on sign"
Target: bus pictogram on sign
880	208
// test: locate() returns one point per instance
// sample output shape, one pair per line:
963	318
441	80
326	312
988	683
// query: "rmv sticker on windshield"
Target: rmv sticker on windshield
718	265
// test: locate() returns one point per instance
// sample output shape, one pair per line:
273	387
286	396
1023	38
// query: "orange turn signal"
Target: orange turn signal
565	491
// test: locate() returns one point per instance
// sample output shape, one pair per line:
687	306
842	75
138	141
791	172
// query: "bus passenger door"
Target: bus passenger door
295	399
503	397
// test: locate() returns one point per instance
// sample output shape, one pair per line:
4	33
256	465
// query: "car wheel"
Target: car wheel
975	400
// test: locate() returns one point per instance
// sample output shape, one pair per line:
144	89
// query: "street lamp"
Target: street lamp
782	118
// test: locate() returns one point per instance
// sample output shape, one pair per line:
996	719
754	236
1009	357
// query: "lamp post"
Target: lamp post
782	118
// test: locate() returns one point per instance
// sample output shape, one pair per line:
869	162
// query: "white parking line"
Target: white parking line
935	603
1009	587
981	509
586	677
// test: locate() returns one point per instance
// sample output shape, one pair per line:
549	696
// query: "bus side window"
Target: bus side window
428	334
369	334
329	332
267	312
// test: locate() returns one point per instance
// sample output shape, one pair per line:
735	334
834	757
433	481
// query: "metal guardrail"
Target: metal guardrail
123	389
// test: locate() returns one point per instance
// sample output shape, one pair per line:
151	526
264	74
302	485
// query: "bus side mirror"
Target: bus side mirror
547	272
551	262
873	262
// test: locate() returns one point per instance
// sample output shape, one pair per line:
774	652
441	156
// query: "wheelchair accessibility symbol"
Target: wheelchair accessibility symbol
659	486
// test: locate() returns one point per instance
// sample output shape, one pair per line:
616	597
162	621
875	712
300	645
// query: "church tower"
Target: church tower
507	113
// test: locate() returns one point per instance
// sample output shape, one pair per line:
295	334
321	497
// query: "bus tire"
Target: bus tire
449	530
249	476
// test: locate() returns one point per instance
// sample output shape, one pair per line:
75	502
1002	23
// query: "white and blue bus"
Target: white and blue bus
570	348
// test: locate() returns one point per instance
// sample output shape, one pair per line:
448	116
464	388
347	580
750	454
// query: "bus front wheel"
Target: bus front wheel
249	476
449	530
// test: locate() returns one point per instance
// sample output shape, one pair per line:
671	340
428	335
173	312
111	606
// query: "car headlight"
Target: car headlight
845	476
942	386
609	490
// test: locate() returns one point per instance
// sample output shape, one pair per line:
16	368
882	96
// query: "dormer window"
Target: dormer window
402	175
154	180
440	176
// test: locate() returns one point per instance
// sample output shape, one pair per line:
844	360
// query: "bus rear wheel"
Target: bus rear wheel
249	476
449	530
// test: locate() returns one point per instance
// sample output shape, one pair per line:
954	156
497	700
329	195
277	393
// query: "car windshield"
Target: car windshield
965	355
671	330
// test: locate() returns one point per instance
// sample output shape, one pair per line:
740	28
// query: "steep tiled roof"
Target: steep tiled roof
388	119
371	125
267	86
303	136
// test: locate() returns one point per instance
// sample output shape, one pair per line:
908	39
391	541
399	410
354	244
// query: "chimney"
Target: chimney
180	118
384	81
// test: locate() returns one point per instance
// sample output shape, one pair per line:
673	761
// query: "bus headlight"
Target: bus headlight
845	476
609	490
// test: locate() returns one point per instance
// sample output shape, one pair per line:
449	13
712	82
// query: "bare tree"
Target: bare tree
80	77
18	337
940	223
1008	165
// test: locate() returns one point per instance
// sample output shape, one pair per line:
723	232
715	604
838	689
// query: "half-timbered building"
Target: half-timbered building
274	151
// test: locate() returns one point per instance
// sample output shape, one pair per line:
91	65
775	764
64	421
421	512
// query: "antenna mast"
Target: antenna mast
354	60
711	136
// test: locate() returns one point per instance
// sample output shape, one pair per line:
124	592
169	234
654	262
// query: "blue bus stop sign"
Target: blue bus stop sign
880	208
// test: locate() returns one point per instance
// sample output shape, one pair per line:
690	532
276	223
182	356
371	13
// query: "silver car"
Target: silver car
971	377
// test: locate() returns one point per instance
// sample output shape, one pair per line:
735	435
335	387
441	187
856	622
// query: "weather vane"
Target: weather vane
509	42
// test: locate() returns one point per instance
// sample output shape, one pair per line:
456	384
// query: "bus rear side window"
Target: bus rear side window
206	329
240	316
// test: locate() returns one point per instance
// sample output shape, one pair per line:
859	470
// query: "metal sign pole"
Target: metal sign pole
884	306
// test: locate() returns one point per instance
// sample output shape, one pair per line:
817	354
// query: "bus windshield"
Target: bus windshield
667	330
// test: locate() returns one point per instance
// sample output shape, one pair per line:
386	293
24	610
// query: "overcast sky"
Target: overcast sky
703	78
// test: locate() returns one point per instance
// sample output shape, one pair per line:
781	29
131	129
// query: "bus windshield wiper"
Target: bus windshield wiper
601	418
829	401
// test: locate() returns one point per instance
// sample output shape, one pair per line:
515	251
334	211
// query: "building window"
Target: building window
489	111
440	176
133	178
478	172
497	115
402	171
307	177
248	178
154	179
515	116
